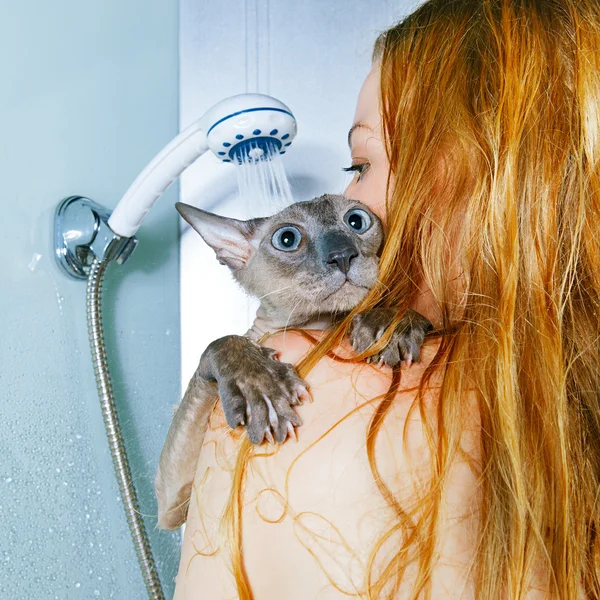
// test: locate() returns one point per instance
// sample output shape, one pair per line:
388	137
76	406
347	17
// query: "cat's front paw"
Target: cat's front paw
260	396
405	343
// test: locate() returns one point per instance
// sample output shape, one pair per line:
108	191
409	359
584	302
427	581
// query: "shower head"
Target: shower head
249	127
244	128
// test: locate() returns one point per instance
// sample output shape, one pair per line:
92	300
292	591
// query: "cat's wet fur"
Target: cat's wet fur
311	284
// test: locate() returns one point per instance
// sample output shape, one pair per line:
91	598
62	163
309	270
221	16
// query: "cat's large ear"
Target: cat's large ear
233	241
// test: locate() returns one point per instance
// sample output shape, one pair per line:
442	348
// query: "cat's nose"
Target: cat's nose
342	258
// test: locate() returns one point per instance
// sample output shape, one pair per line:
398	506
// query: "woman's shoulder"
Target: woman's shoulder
292	346
322	493
361	435
351	391
349	394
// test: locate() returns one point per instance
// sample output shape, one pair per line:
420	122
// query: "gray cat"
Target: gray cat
309	265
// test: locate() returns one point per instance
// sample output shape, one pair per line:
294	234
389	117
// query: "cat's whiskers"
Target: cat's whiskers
287	287
290	315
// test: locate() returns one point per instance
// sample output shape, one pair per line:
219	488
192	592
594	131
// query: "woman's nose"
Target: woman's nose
348	191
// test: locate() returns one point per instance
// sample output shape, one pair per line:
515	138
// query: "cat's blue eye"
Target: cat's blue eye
287	238
358	220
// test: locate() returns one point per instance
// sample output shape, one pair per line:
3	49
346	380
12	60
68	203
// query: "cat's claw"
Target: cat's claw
261	391
292	431
302	394
273	420
404	345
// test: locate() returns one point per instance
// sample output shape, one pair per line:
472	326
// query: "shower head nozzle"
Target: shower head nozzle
249	127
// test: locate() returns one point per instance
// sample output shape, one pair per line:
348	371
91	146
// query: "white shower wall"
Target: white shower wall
311	55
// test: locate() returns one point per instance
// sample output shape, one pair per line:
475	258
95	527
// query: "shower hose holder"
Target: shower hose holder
81	233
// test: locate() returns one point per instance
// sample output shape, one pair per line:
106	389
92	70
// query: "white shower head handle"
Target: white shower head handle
158	175
242	126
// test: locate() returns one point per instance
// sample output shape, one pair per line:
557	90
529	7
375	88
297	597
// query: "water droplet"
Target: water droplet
33	263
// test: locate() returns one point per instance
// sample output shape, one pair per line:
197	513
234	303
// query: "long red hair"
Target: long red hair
507	94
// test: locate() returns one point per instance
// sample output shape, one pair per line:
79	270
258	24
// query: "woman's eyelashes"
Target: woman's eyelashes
359	168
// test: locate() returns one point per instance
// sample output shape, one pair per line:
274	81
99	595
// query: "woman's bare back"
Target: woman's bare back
313	513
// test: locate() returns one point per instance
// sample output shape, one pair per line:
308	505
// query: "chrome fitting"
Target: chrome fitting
81	233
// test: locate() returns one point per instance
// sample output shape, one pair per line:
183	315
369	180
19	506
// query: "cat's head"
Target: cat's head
314	257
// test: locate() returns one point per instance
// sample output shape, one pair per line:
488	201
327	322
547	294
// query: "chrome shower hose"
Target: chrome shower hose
113	431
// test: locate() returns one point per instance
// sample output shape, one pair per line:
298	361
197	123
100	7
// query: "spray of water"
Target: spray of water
262	181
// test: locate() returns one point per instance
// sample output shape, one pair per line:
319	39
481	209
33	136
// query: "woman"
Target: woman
475	472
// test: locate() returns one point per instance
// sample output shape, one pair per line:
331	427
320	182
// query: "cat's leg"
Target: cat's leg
405	343
179	456
255	390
